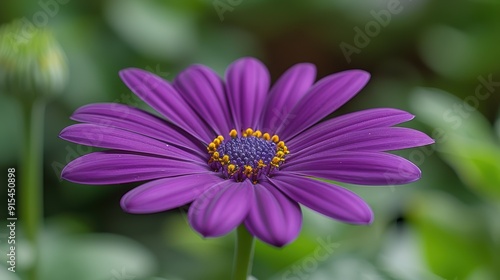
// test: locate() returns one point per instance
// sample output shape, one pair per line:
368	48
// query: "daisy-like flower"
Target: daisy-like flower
242	152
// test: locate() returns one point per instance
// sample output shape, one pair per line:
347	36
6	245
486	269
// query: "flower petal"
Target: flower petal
369	140
327	199
364	168
273	218
162	97
203	90
372	118
139	121
113	167
168	193
115	138
247	83
323	98
221	208
285	94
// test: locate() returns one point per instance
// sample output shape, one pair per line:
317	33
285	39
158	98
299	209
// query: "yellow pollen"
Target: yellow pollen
225	159
231	169
216	142
266	136
221	138
276	161
280	145
261	164
233	133
285	150
280	154
275	139
248	132
211	148
257	134
215	155
248	170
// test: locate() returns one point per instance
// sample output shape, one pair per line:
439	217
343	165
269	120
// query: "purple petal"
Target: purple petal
112	167
162	97
204	91
364	168
247	83
221	208
285	94
139	121
323	98
327	199
273	217
115	138
372	118
369	140
167	193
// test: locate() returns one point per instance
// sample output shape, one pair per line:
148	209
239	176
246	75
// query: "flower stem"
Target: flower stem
243	254
31	195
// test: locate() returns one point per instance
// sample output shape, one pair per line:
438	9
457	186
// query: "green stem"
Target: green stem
243	254
31	192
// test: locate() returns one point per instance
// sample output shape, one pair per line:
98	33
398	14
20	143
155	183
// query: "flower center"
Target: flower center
249	155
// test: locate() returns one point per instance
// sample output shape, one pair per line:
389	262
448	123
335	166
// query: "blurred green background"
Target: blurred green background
439	60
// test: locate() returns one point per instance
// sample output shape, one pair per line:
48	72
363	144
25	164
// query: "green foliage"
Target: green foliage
467	142
454	236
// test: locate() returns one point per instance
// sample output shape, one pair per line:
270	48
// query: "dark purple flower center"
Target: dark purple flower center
250	155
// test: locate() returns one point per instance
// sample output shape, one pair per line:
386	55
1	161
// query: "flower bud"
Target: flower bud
32	64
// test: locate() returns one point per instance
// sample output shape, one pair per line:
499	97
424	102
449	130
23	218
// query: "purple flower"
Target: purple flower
241	152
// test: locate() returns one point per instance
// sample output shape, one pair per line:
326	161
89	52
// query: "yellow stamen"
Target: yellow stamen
280	145
275	161
248	132
248	170
215	155
257	134
225	160
221	138
211	148
216	142
285	150
233	133
231	169
275	139
266	136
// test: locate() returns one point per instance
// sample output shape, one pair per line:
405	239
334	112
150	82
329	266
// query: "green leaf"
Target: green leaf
95	256
152	29
467	142
477	164
450	115
454	237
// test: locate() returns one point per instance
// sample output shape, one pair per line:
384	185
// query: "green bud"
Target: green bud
32	64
